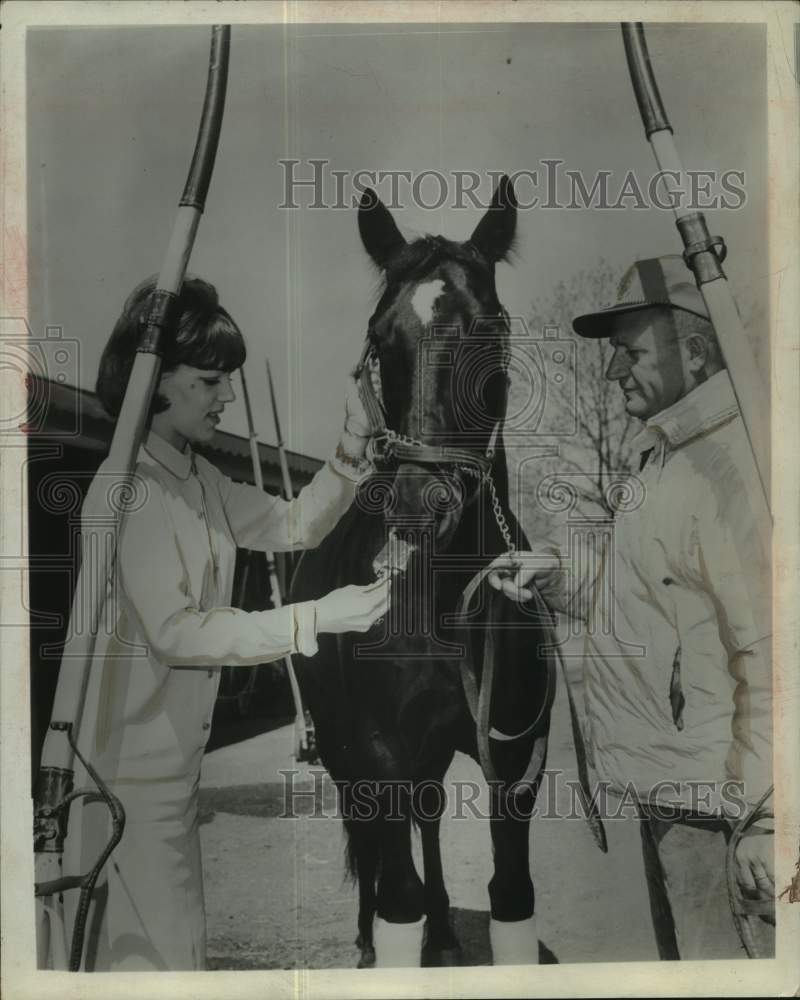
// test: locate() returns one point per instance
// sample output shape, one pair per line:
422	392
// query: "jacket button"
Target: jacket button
206	725
211	673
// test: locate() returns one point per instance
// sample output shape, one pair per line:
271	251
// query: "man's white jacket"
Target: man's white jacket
677	599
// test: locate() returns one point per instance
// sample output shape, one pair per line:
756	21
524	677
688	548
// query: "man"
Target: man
678	698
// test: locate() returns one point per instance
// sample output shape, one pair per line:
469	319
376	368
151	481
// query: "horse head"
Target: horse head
438	342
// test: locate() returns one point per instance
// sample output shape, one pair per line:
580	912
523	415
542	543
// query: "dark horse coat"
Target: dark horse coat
389	707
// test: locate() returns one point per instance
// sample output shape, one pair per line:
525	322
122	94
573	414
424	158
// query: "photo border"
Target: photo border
731	978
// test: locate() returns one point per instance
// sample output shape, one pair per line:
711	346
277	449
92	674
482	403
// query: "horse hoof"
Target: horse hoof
367	958
442	958
441	949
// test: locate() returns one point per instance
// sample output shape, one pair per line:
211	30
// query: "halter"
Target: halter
387	445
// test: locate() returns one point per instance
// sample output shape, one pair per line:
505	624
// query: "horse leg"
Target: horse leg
400	899
441	946
364	864
512	928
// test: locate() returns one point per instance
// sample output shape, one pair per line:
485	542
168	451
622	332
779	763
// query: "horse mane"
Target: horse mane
413	259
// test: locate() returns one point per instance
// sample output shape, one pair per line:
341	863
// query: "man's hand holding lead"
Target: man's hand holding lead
516	572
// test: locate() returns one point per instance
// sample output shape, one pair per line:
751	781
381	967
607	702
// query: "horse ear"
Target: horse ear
379	232
494	234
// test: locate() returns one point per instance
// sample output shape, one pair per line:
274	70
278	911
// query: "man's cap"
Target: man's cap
658	281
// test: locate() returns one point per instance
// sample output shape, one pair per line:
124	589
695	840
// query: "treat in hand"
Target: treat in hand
393	557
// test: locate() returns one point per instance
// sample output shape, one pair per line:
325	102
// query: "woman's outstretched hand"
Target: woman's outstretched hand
353	608
356	421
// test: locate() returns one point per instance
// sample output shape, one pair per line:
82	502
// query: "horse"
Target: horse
454	665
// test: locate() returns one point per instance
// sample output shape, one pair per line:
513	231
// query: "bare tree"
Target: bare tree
595	451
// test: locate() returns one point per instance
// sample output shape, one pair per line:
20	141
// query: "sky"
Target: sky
112	118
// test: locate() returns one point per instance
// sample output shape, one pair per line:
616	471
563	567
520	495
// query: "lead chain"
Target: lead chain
497	507
499	516
392	437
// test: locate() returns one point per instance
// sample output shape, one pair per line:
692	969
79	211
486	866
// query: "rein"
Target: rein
479	698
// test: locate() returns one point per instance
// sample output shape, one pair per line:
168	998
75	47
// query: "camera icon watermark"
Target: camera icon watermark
528	382
43	364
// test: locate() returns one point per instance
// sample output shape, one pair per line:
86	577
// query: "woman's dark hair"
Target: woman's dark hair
206	337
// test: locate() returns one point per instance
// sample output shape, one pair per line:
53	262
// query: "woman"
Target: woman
156	671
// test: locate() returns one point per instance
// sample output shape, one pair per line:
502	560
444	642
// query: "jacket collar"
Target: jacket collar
179	463
707	406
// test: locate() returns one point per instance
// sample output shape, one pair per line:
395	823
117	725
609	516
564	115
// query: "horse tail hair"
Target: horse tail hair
361	852
350	857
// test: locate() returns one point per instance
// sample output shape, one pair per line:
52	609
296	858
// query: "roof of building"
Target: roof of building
76	416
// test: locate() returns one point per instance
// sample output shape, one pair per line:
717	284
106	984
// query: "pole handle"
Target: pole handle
645	88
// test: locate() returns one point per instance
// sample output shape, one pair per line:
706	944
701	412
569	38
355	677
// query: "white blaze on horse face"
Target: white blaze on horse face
424	299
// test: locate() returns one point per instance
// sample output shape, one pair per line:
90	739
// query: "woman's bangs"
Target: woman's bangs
216	346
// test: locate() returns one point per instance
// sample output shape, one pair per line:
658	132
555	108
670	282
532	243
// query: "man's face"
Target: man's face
647	362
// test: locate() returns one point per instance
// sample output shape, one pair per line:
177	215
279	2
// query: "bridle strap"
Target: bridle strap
372	405
423	454
386	443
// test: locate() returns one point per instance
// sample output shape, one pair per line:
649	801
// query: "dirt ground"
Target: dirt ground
277	896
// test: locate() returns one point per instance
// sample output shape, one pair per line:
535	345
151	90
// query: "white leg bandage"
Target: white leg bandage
514	942
397	946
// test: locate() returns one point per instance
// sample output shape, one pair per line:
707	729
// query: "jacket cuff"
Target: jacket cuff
351	466
305	628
